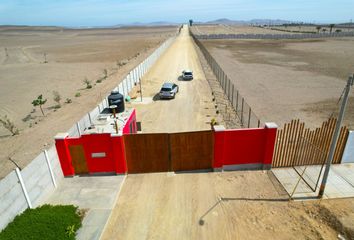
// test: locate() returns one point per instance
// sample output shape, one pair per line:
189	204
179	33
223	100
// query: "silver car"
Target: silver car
168	90
187	75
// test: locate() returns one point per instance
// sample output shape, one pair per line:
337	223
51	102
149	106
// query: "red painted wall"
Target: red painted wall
131	121
244	146
231	147
64	157
98	143
111	146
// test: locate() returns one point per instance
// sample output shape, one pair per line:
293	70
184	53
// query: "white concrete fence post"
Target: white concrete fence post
135	75
128	83
138	72
89	116
78	128
126	86
123	90
25	193
50	168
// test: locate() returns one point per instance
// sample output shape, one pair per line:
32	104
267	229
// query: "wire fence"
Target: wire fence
274	36
247	117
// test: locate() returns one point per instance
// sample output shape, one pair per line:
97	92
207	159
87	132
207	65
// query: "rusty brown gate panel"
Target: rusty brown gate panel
78	159
147	152
191	150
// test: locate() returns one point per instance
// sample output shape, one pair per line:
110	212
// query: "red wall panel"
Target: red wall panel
64	157
98	143
244	146
131	120
111	146
219	138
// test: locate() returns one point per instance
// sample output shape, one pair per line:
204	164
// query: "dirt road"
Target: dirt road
192	109
228	205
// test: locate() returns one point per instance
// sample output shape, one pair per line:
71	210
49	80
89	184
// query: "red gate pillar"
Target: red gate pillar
118	153
219	138
64	154
271	133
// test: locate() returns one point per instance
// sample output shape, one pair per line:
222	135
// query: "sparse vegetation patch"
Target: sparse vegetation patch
9	125
57	99
68	100
87	83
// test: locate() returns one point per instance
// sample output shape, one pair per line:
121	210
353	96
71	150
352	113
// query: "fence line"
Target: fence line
244	112
273	36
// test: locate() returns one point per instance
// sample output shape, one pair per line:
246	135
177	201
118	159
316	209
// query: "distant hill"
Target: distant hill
227	22
253	21
140	24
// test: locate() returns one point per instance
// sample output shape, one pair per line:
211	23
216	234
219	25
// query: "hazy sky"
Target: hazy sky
111	12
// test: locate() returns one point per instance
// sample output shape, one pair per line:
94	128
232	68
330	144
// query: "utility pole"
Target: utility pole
335	136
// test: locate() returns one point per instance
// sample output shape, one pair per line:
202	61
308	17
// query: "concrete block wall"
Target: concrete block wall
36	178
38	183
12	199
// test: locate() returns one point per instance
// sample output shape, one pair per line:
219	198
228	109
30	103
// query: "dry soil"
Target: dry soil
286	79
236	29
228	205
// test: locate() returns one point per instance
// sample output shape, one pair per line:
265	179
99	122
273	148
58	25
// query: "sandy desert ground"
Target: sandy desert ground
228	205
231	29
287	79
72	55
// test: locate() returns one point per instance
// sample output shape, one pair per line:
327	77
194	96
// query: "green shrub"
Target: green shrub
77	94
57	98
39	102
45	222
87	83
